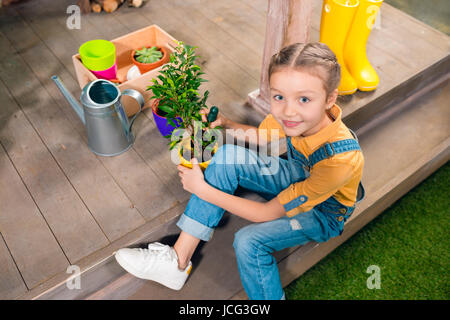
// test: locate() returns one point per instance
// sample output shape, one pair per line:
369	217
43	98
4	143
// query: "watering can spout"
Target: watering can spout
69	97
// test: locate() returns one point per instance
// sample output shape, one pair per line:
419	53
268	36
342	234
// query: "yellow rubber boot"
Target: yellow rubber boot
335	22
355	47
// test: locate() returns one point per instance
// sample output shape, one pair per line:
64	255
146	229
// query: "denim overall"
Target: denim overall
255	243
334	209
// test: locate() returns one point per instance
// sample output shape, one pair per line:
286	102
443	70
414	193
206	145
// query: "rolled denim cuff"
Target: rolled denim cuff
195	228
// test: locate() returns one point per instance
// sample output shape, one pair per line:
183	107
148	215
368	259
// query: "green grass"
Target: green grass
409	243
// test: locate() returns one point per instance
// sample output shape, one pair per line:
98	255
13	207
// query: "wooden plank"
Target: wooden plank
409	24
259	6
239	14
417	53
101	268
54	194
11	282
230	46
230	17
60	42
214	59
359	115
33	247
95	23
146	192
124	285
115	215
434	125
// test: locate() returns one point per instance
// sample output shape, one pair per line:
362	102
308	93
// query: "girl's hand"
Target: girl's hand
192	179
221	120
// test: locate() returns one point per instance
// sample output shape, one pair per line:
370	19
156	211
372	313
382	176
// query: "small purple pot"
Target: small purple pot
161	122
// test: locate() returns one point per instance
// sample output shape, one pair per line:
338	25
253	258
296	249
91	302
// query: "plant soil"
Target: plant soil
161	113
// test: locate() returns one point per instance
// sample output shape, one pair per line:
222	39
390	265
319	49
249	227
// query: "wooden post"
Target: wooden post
288	21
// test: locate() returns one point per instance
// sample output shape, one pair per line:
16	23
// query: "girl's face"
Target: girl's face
298	102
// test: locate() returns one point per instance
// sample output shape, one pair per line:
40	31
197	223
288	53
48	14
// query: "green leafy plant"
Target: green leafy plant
177	87
148	55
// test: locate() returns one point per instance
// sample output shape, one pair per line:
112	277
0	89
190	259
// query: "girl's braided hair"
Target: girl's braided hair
316	58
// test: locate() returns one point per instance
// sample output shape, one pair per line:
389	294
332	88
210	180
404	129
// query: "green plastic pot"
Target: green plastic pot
98	55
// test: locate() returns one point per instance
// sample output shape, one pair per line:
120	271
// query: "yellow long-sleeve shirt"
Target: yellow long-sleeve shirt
337	176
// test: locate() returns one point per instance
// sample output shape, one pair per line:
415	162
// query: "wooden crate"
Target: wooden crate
151	35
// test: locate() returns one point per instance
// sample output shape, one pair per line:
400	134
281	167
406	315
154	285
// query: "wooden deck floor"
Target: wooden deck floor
59	203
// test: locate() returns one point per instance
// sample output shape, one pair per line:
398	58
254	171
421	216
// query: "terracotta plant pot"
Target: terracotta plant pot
186	143
145	67
161	122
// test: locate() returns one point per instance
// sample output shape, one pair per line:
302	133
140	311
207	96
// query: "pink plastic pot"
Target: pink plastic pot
108	74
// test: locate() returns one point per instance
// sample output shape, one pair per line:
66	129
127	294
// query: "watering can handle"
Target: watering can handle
140	100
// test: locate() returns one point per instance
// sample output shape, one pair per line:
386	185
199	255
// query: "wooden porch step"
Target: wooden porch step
232	50
402	145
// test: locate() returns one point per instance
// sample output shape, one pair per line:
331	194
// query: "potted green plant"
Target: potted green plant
176	91
149	58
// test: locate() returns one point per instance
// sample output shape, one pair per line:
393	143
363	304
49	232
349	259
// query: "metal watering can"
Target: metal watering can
107	125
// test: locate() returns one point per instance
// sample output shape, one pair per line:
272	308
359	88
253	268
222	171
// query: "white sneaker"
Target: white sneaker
158	263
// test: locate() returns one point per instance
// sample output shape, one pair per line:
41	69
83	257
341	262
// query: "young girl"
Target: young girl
309	197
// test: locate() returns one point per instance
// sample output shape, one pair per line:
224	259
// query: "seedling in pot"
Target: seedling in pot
148	55
177	91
